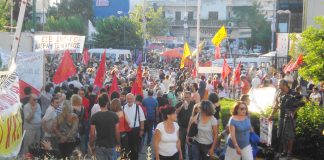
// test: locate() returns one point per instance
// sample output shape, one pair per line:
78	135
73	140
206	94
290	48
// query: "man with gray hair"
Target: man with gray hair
32	123
135	118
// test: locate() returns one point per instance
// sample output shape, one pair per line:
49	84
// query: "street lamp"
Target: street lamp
122	13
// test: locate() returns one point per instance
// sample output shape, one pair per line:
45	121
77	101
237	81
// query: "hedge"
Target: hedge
309	127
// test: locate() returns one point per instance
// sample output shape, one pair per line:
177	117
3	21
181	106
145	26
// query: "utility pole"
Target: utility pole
198	35
34	15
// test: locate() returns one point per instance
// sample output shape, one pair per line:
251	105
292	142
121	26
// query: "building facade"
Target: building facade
106	8
311	10
296	21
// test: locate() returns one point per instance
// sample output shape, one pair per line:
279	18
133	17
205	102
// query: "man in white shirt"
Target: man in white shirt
76	83
49	120
135	118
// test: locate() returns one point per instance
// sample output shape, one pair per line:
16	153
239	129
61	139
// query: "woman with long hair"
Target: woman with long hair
116	107
66	128
204	142
166	137
239	140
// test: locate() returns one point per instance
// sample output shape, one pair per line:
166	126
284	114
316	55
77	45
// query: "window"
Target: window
178	16
190	16
213	16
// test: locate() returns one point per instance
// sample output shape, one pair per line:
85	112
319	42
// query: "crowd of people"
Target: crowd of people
177	116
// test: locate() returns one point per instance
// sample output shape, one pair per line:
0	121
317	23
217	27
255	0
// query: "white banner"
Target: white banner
58	43
11	133
265	131
282	44
30	68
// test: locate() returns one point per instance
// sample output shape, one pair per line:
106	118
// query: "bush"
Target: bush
309	127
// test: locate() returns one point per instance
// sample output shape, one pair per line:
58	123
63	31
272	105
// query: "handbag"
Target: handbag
193	130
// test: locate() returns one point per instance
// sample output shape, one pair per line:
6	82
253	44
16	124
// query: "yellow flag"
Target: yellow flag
186	53
219	36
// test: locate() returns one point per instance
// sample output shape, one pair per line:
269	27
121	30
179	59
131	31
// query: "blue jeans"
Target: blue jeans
200	151
103	153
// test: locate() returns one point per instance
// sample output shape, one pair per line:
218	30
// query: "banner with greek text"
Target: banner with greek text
58	43
11	133
30	69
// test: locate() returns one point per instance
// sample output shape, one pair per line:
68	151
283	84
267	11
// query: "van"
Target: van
117	55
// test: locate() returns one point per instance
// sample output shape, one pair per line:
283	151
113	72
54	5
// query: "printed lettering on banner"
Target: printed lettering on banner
58	43
11	133
265	131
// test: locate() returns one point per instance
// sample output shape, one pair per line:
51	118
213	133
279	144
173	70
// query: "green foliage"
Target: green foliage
261	29
226	108
4	15
69	25
156	25
312	44
68	8
310	120
111	33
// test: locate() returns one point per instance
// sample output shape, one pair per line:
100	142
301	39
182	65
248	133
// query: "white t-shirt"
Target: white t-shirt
95	109
50	117
210	88
314	97
168	143
256	82
130	113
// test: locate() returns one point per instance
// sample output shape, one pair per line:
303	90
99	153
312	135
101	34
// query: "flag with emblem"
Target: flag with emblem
86	57
65	70
186	54
100	77
219	36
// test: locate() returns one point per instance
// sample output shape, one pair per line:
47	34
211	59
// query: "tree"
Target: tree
69	25
312	45
261	30
156	24
111	33
68	8
4	14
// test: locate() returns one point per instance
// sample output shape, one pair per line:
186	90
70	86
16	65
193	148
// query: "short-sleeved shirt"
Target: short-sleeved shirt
205	131
36	119
151	104
130	113
50	117
173	98
168	143
242	132
105	123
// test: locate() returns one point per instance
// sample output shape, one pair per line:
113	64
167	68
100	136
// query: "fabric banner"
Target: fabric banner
265	131
30	69
11	133
58	43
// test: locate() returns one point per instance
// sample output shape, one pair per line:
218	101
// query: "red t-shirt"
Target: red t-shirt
86	104
245	86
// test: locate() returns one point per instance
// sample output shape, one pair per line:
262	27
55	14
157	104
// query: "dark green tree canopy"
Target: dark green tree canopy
261	29
111	34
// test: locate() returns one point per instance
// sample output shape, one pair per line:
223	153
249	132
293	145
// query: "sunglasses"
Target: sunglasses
243	108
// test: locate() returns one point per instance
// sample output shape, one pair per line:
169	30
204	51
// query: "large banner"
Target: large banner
11	133
58	43
30	69
282	44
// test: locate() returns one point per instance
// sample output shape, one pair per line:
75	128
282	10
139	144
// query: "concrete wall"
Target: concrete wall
26	42
312	8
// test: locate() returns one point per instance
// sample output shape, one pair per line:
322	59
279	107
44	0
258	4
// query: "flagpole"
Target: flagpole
198	36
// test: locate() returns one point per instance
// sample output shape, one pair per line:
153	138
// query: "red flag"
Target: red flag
194	72
86	57
237	74
287	67
137	88
226	70
217	52
298	62
114	85
100	77
65	70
